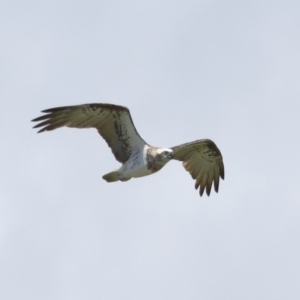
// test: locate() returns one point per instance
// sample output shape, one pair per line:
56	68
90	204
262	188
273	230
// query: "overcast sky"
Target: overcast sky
224	70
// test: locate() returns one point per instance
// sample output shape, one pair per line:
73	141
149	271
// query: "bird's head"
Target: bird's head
165	154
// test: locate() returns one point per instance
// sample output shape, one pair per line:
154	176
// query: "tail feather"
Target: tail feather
111	177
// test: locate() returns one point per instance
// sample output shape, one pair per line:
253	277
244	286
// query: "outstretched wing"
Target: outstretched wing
203	160
113	122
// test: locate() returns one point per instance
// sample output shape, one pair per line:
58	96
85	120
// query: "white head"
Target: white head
165	154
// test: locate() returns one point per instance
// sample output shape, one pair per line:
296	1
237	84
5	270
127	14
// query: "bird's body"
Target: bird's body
139	164
201	158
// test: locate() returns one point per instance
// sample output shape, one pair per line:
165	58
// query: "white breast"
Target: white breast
136	166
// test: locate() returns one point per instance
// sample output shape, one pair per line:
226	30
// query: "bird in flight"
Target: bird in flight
201	158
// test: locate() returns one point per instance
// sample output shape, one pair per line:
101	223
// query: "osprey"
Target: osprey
201	158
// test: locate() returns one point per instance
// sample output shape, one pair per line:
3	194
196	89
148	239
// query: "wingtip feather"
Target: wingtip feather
201	190
222	171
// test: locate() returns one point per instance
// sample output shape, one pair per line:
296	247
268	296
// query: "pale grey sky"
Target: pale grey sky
224	70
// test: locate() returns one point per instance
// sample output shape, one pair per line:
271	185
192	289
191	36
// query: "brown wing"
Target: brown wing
203	160
113	122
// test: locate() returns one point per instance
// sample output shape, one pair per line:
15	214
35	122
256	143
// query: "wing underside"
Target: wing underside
203	160
113	122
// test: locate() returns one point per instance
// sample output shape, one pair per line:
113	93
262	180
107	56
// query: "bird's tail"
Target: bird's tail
111	177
